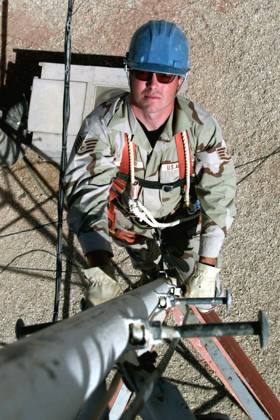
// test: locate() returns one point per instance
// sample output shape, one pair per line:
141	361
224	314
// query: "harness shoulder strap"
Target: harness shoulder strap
120	182
124	165
182	155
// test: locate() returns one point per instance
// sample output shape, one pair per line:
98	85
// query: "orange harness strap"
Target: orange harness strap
119	184
182	155
118	187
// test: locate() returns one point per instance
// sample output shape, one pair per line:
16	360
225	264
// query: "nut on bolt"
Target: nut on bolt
162	302
172	291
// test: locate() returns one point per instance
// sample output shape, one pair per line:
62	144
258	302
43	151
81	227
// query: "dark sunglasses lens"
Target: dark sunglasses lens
142	75
165	78
147	75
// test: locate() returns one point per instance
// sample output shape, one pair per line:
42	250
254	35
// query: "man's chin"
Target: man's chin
152	109
152	105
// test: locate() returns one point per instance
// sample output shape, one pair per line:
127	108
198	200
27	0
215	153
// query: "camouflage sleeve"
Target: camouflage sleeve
88	178
11	148
215	188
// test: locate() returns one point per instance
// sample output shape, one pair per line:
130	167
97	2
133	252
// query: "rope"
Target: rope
188	168
134	190
131	161
144	215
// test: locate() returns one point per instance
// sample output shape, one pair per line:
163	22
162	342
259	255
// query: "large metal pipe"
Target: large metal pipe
50	375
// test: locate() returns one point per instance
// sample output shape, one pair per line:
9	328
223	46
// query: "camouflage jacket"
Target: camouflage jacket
96	156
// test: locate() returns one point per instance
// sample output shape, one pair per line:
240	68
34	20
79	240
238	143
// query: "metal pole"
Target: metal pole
52	373
63	162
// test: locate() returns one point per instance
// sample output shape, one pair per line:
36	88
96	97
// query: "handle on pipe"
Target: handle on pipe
22	330
226	300
163	332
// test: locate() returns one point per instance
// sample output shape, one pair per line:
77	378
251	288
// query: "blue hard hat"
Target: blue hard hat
159	46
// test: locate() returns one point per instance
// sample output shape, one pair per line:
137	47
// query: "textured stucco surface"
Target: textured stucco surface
235	76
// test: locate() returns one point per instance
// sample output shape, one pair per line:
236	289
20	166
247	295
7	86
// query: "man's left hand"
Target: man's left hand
202	282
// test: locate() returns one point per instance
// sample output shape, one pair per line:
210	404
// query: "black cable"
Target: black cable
33	269
23	255
82	2
261	160
18	232
39	270
63	163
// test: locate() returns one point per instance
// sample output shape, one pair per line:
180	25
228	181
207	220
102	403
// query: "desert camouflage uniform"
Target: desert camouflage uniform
94	163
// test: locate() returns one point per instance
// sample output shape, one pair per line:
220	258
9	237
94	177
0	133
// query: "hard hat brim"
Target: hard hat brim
156	68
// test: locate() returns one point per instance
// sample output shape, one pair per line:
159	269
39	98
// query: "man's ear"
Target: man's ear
128	73
180	82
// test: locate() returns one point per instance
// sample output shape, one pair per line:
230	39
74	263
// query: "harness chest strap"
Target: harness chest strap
126	170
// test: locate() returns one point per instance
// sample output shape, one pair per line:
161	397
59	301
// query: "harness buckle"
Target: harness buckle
167	188
134	190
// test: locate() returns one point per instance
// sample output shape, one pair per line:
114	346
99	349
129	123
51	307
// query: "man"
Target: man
149	165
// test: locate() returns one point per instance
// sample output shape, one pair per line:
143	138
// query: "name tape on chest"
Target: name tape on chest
170	167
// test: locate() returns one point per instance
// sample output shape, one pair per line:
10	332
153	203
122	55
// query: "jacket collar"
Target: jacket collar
124	120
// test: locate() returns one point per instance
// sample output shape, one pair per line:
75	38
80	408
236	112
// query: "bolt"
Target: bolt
162	303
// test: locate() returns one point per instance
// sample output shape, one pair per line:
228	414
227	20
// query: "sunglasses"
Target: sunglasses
146	76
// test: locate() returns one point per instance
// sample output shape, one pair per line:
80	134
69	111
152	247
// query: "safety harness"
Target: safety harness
126	175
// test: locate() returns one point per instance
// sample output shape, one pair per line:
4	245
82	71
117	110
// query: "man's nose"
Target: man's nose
152	80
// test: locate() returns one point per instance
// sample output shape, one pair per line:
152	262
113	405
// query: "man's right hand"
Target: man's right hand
103	285
100	275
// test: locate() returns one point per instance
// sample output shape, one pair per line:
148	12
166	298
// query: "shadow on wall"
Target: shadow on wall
20	74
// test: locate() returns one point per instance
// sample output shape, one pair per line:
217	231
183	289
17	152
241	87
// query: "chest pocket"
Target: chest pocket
169	172
170	192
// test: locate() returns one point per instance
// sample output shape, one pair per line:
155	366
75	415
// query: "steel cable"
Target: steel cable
63	163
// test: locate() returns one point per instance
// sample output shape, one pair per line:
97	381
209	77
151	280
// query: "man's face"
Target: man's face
151	96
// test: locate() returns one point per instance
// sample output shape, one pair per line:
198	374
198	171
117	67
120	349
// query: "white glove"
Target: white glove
203	281
103	285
